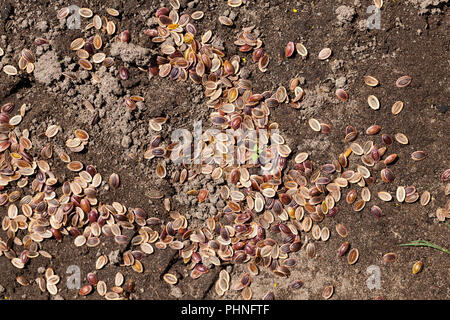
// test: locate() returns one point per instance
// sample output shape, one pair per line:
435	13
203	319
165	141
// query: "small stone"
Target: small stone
113	256
442	108
41	270
176	292
2	289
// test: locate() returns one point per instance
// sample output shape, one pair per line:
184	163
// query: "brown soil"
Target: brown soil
408	43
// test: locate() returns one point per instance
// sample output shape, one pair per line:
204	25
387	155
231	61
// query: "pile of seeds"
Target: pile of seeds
267	217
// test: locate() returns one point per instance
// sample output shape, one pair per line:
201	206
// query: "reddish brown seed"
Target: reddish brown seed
92	278
343	248
85	290
124	36
390	159
445	175
114	181
387	175
202	195
390	257
372	130
56	234
289	50
342	94
387	139
376	211
328	292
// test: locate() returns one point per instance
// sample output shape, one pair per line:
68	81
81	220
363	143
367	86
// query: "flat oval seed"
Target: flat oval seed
403	81
418	155
373	102
328	292
341	230
401	138
370	81
353	256
425	198
324	54
417	267
400	194
314	124
385	196
390	257
397	107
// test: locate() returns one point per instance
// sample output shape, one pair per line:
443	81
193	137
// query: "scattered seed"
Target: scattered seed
373	102
314	124
390	257
370	81
170	278
328	292
324	54
403	81
417	267
353	256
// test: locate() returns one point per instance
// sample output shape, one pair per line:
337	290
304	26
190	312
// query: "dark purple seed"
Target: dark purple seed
123	73
297	284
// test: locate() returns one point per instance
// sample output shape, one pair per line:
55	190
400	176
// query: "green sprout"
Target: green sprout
423	243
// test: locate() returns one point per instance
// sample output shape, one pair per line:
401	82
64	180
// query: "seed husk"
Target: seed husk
170	278
85	12
314	124
234	3
353	256
397	107
425	198
400	194
325	234
301	49
101	262
327	292
385	196
75	166
77	44
370	81
418	155
401	138
301	157
390	257
324	54
98	57
10	70
378	3
403	81
225	21
247	293
341	230
310	250
197	15
85	64
373	102
417	267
